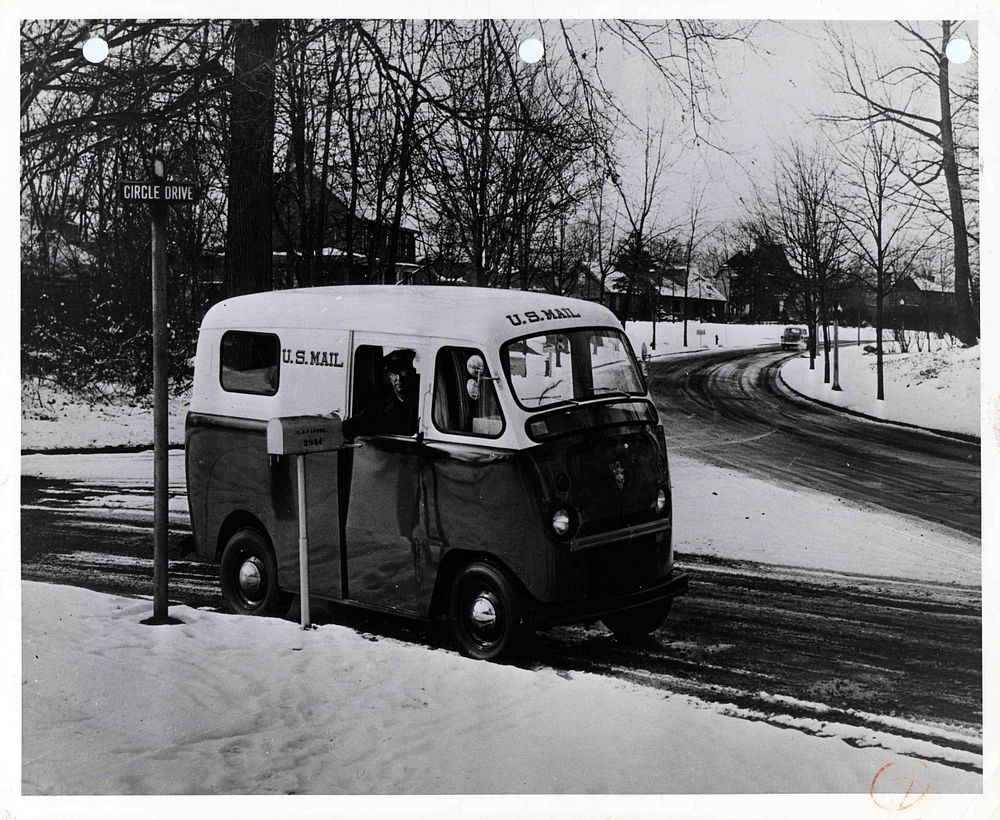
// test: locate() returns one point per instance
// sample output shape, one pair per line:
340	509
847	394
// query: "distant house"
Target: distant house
304	237
926	302
704	300
758	284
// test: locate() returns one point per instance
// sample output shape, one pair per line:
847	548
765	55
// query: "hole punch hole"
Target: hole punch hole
958	51
95	50
530	50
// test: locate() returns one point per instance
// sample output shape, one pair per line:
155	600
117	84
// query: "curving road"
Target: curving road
732	409
874	661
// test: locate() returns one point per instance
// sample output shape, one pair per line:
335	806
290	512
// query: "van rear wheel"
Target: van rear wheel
484	611
638	622
248	575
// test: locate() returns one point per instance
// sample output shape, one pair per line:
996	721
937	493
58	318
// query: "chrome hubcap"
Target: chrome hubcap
250	578
484	611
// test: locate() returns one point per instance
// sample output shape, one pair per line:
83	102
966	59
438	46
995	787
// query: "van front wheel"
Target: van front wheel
639	622
249	576
483	611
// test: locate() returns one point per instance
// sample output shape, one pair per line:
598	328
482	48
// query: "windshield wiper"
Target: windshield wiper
603	392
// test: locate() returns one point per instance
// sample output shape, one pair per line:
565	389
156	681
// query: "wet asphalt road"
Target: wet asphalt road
732	410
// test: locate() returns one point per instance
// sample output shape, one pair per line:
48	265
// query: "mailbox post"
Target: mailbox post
298	436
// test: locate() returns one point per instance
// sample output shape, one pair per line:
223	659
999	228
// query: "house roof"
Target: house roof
331	252
699	287
367	211
929	285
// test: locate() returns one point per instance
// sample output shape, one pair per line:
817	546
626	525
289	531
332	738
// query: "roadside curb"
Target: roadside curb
695	350
108	449
968	439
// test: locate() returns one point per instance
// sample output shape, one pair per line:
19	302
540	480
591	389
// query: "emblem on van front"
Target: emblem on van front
619	473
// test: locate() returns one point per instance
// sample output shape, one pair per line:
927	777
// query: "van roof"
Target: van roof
432	310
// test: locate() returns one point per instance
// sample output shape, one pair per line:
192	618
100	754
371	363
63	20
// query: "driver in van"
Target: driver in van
393	410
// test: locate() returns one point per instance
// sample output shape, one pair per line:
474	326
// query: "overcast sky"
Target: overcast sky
767	98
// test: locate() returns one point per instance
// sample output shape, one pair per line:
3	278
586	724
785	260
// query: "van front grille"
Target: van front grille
620	568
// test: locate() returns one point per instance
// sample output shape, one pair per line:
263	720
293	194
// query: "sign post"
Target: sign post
157	192
161	478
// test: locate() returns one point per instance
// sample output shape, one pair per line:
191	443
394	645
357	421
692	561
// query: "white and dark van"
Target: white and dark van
522	482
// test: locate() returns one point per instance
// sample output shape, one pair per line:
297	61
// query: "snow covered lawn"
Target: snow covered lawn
52	419
938	390
670	336
230	705
750	519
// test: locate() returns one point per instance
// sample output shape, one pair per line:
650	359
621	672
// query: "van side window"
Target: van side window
250	362
465	399
386	392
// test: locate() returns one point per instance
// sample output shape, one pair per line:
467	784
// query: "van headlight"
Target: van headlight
661	501
562	521
565	523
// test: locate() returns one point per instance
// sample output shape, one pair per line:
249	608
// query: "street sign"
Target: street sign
155	191
700	331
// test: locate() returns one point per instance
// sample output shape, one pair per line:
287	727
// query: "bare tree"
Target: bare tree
905	94
638	199
881	221
691	241
681	52
600	229
802	213
503	163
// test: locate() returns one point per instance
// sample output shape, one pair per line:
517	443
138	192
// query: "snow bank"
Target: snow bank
670	336
53	419
938	390
230	705
746	518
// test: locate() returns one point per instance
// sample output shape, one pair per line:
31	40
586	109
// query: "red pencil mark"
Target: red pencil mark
900	786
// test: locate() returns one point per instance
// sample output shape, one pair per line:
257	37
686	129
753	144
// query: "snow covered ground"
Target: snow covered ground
227	705
257	706
938	390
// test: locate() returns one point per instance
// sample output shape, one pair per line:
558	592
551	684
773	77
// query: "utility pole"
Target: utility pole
656	309
836	348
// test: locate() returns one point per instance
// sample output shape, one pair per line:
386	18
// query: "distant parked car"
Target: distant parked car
794	338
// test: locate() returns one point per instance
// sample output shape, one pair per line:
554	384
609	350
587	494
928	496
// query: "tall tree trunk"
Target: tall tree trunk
968	321
248	262
879	359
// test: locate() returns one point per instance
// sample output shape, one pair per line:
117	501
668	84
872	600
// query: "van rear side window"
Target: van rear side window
465	400
250	362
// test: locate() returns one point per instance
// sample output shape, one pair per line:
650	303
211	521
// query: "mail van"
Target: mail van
527	486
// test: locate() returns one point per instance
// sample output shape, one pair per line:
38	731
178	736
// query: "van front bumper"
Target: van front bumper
552	614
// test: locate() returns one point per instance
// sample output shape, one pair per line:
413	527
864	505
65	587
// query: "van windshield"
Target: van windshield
550	368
